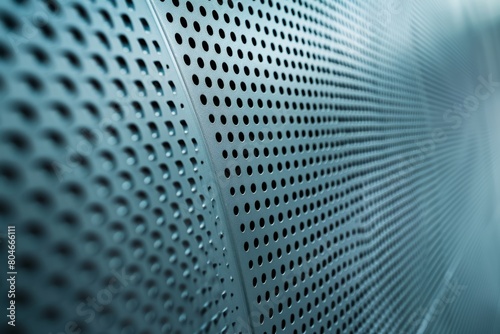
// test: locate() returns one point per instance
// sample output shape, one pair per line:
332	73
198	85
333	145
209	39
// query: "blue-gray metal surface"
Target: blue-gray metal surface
249	167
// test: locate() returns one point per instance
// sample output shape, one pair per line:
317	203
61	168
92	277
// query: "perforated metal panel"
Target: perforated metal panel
104	173
244	167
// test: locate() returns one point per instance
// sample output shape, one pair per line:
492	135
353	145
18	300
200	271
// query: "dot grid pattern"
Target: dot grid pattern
104	174
320	118
222	166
